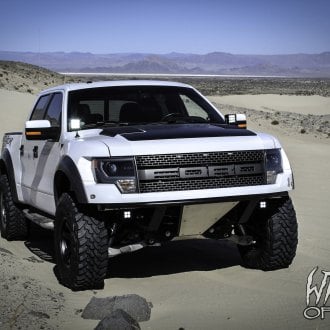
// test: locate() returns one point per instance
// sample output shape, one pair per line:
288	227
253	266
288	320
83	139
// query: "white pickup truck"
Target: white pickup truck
115	166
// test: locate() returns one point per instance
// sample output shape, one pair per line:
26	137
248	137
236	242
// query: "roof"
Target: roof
117	83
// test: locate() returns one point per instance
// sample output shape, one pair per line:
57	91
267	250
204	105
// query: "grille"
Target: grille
198	184
197	171
197	159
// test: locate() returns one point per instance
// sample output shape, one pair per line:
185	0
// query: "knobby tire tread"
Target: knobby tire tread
89	259
279	241
16	224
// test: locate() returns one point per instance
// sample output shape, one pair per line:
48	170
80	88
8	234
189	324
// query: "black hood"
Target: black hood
174	131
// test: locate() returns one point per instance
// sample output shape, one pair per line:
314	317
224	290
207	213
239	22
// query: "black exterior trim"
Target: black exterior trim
10	173
45	133
14	133
174	131
113	131
69	168
196	201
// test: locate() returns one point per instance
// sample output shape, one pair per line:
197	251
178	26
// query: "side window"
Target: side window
54	110
193	108
40	108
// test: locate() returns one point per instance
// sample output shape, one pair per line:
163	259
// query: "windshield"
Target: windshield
134	105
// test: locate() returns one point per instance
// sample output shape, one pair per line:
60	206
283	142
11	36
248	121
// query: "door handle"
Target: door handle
35	152
21	150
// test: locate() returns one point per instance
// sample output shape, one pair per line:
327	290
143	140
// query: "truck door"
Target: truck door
40	156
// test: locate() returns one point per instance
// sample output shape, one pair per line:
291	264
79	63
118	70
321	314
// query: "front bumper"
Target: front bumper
109	194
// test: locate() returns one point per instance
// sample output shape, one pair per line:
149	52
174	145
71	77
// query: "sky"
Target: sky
165	26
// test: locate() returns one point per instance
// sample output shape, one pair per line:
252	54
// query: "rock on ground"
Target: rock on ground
118	320
137	307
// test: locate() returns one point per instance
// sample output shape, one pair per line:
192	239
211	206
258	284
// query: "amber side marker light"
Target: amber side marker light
32	133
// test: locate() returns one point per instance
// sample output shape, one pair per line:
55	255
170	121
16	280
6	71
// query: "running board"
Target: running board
39	220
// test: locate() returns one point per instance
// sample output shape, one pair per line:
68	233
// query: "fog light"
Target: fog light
231	119
126	185
75	124
263	205
127	214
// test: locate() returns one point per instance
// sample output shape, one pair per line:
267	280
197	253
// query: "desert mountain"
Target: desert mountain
300	65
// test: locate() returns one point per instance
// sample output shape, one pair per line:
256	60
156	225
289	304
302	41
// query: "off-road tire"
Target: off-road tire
276	238
13	224
81	247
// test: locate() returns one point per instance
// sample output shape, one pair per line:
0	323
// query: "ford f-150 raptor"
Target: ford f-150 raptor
112	167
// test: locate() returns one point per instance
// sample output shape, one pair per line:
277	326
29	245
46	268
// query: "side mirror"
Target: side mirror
41	130
237	120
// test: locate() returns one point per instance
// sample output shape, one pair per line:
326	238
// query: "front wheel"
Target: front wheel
81	247
276	237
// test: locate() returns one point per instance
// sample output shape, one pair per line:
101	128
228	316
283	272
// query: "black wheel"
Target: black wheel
276	237
13	224
81	247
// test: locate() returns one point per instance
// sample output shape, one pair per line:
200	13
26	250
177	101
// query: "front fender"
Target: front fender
67	177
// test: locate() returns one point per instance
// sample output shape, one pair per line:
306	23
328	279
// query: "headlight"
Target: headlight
118	171
273	164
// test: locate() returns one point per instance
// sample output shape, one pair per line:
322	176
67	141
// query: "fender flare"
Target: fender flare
6	167
71	172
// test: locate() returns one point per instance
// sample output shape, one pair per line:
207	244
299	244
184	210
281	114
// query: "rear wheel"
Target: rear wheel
81	247
276	238
13	224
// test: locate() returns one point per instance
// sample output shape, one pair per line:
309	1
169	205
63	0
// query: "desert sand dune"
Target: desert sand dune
192	285
14	110
301	104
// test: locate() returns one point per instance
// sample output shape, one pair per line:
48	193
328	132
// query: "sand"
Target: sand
314	105
15	108
191	284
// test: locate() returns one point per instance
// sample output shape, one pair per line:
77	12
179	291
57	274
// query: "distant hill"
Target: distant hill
294	65
27	78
